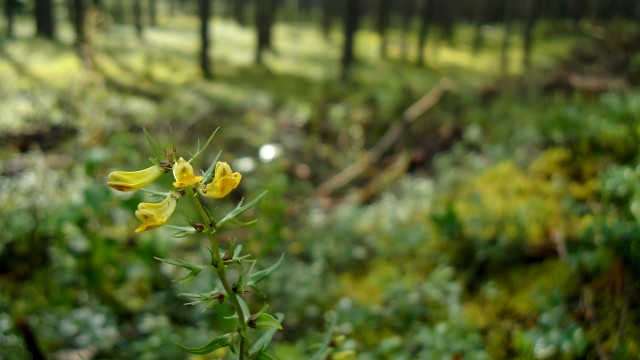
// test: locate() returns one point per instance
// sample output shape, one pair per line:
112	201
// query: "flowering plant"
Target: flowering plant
215	183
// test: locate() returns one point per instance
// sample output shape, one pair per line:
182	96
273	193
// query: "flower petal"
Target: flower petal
133	180
153	215
184	175
223	182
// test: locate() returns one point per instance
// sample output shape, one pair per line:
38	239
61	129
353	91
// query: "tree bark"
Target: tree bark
79	22
350	26
506	43
478	39
45	23
9	12
382	23
153	13
204	11
328	14
265	14
530	16
238	11
426	15
408	8
137	18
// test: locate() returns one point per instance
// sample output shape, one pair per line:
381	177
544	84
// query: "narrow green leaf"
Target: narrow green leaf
324	346
157	150
183	231
267	321
201	150
236	251
263	356
215	344
261	345
260	275
209	173
193	268
245	308
240	209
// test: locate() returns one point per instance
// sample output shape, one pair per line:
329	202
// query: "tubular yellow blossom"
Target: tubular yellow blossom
134	180
223	182
153	215
183	173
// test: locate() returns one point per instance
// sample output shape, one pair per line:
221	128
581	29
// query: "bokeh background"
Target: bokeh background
446	179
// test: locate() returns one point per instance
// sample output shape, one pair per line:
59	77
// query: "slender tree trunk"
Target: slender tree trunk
506	43
79	22
119	12
448	18
408	7
9	12
265	13
137	18
204	11
153	13
328	14
530	16
426	16
383	18
350	26
238	11
478	39
44	16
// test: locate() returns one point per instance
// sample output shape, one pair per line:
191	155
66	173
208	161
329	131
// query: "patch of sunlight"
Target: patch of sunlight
304	52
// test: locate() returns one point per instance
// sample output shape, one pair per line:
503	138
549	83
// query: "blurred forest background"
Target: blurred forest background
451	179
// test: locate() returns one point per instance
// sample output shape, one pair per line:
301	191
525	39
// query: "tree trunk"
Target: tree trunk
382	23
530	16
408	7
238	11
506	43
204	11
119	12
153	13
328	14
265	13
137	18
478	39
447	22
45	23
350	26
426	16
9	12
79	22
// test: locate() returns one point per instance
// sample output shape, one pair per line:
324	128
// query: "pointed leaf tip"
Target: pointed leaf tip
213	345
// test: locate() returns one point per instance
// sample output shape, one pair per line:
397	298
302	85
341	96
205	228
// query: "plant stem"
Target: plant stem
222	274
220	269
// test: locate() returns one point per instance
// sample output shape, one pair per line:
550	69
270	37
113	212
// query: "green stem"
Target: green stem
220	268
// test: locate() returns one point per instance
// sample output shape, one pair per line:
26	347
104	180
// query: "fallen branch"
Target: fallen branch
392	135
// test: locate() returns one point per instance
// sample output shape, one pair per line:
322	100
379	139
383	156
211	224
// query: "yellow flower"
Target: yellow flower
223	182
134	180
183	173
153	215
